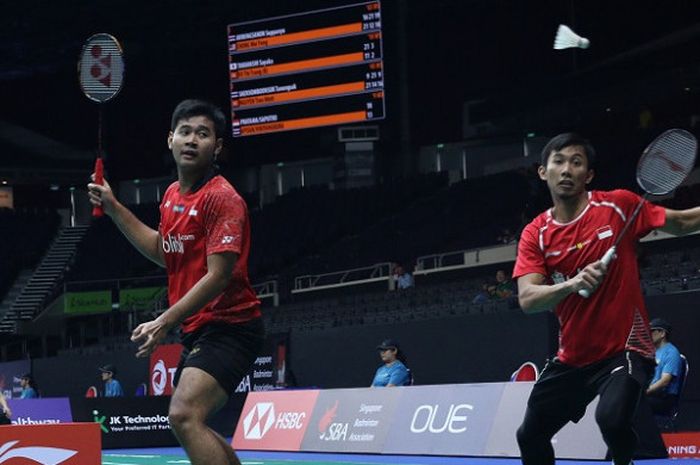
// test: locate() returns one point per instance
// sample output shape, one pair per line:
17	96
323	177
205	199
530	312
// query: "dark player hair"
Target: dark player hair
568	139
193	107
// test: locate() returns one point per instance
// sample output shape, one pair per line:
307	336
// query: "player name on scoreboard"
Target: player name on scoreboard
307	70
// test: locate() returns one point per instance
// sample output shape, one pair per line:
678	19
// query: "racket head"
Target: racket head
667	161
101	67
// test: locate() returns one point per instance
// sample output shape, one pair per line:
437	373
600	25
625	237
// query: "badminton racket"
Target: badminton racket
101	74
663	166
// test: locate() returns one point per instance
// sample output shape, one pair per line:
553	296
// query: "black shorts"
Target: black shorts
225	351
564	391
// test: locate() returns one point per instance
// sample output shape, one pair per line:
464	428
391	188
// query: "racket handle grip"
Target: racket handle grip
607	258
97	210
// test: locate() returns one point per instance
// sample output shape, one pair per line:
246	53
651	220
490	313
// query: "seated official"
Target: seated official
394	371
664	388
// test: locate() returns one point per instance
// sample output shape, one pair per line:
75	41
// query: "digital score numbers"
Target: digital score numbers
307	70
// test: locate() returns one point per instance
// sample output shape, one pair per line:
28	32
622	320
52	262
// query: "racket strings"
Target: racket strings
666	164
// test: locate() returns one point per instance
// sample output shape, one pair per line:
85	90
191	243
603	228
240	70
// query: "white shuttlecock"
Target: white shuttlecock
566	38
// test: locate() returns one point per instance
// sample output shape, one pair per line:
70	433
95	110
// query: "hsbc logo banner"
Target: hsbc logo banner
351	420
163	364
56	444
274	420
444	420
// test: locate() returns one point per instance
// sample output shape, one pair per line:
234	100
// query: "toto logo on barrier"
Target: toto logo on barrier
429	418
163	365
160	377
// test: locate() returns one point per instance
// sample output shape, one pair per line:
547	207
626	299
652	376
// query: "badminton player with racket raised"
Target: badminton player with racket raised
578	260
203	241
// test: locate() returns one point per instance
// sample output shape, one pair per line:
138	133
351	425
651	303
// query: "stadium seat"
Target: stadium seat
527	372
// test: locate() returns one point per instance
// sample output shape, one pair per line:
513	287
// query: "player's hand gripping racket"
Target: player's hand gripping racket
663	166
101	74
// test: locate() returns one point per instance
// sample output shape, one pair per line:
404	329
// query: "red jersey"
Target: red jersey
613	318
193	225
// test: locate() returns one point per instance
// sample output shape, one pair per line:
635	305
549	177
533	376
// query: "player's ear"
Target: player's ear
219	146
170	140
590	175
542	172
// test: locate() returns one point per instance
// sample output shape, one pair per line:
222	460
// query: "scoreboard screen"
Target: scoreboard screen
307	70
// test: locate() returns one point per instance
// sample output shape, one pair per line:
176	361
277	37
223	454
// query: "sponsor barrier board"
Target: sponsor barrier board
274	420
56	444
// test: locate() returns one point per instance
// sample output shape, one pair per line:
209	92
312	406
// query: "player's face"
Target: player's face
194	144
567	172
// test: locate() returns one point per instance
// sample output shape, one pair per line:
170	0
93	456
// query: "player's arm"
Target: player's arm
680	222
145	239
535	295
659	386
219	269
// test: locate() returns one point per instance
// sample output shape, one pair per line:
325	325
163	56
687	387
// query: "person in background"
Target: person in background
113	388
505	287
664	388
403	278
394	371
29	389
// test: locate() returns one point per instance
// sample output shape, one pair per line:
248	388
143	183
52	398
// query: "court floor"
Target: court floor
174	456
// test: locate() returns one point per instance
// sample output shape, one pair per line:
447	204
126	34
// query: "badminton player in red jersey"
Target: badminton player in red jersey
203	241
605	347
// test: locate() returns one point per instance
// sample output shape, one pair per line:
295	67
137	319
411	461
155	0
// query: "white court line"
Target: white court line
120	463
142	456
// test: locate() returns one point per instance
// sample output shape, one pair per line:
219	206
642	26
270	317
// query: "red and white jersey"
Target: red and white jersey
194	225
613	318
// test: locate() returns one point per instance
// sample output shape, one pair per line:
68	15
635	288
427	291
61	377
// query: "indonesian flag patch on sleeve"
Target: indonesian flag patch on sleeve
604	232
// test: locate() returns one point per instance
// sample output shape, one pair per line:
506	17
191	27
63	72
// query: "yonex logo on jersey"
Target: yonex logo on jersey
179	208
193	212
228	239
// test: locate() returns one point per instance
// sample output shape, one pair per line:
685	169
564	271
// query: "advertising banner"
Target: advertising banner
270	370
64	444
453	419
140	299
683	445
87	302
40	411
9	377
580	440
127	422
162	367
274	420
351	420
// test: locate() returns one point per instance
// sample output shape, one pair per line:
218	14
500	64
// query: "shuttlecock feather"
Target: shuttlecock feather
566	38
